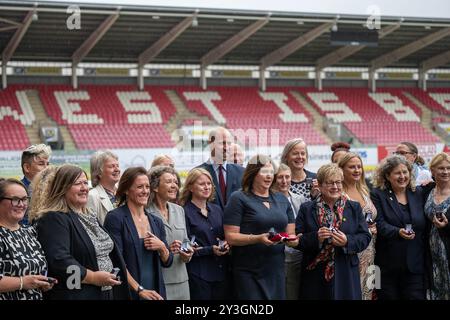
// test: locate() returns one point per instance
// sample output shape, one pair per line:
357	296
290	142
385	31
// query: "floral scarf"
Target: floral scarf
327	219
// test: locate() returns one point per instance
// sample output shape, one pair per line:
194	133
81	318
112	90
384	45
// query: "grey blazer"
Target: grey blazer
99	202
297	201
175	230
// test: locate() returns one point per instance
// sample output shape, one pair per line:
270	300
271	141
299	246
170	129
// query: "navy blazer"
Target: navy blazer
120	225
346	280
234	179
67	244
392	251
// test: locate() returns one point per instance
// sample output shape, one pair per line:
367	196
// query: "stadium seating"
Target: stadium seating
386	116
275	114
438	100
111	116
15	113
123	117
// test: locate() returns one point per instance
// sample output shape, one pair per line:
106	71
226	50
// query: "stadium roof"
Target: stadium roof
144	34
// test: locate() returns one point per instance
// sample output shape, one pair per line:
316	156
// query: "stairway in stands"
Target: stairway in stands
183	115
426	117
43	119
317	118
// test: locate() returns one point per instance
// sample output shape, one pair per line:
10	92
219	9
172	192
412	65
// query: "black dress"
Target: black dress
258	270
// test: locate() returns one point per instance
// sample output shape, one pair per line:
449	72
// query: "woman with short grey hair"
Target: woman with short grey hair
164	189
105	174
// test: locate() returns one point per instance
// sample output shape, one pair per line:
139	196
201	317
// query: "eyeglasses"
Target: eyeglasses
402	153
330	184
15	201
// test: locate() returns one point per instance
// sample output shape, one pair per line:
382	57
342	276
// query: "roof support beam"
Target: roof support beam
228	45
17	24
92	40
344	52
8	28
288	49
12	45
408	49
155	49
17	37
436	61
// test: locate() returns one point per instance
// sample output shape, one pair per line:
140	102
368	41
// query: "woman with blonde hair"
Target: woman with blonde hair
79	252
295	156
355	188
208	269
40	186
437	210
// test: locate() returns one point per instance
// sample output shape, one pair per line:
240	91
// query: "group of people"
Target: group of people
263	231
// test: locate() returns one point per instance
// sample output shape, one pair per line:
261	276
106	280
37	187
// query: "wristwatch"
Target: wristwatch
139	289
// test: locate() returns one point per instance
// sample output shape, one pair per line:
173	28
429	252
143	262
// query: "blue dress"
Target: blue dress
258	270
149	259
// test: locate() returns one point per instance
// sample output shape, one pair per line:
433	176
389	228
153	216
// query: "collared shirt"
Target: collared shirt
216	169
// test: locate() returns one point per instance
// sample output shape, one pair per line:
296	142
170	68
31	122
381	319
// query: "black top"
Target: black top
21	255
301	188
204	263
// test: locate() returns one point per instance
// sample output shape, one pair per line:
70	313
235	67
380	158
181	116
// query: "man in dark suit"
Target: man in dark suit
226	176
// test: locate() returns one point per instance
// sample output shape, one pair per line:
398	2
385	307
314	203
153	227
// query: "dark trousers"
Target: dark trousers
401	285
208	290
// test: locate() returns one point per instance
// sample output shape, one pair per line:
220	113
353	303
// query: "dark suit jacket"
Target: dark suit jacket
346	283
66	243
392	251
234	179
120	224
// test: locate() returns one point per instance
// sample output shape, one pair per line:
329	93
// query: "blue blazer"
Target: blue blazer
392	251
234	179
120	225
346	283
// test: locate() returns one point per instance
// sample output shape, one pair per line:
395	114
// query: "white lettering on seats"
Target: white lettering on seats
279	99
68	109
207	98
27	117
138	101
329	103
442	98
394	106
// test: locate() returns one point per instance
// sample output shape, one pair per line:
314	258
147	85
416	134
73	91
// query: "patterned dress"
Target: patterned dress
21	255
440	287
367	257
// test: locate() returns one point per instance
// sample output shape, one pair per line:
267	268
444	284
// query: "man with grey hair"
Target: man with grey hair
35	158
226	176
105	174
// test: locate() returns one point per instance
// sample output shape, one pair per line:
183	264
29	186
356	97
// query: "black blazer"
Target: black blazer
66	244
234	179
346	280
120	225
392	251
